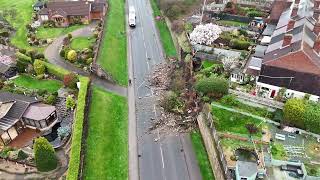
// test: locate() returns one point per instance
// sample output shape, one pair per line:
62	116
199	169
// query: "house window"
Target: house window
37	124
43	123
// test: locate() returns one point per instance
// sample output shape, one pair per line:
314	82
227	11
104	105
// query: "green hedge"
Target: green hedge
56	70
74	162
23	57
239	44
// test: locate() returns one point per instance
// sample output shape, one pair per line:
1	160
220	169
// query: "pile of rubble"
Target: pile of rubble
168	122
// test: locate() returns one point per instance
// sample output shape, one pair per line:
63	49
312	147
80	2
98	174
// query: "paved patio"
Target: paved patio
25	138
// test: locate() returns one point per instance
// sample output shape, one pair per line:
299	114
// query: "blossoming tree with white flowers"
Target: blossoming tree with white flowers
205	34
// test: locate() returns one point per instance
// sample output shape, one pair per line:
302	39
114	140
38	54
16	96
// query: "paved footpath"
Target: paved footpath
53	56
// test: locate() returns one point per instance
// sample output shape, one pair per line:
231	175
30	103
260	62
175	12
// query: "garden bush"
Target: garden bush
62	53
63	132
230	100
278	115
89	61
51	99
72	56
70	103
212	86
70	80
22	155
23	51
311	117
44	155
70	36
21	66
239	44
293	112
23	57
39	67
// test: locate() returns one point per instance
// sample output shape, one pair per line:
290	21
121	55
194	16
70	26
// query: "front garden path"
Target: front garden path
53	56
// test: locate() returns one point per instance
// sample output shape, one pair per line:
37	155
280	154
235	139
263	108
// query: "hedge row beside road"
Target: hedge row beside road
74	162
165	35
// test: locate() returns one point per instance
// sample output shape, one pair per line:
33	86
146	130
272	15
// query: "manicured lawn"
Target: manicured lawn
22	12
232	23
80	43
107	141
164	32
44	33
113	52
235	123
202	156
32	83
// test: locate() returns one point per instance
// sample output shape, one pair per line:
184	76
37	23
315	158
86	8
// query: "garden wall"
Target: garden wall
211	141
77	130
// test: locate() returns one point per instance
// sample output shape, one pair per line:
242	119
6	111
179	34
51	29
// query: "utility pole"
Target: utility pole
204	4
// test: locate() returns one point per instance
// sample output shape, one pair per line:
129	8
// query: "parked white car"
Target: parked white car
132	17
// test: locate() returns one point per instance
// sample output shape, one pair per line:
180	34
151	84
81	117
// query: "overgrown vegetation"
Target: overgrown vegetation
202	157
74	161
278	151
212	86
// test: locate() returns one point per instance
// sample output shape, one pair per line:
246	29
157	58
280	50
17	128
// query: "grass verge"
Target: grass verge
74	161
32	83
113	53
202	157
107	141
165	35
56	70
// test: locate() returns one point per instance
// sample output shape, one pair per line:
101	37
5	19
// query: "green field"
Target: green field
107	141
32	83
202	157
113	52
19	18
80	43
165	35
45	33
231	122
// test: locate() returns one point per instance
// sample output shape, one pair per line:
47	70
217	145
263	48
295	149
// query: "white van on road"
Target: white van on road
132	17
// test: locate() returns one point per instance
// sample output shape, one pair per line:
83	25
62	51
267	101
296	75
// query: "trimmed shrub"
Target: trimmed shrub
89	61
70	80
56	70
74	162
70	36
239	44
23	51
293	112
212	86
62	53
23	57
44	155
70	103
39	67
22	155
21	66
72	56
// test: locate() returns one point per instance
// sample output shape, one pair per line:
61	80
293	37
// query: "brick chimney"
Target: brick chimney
287	40
316	46
294	11
290	24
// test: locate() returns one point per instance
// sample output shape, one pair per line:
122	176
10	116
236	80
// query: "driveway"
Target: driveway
53	56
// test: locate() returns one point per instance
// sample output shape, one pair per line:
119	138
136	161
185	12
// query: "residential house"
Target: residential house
291	60
64	13
18	112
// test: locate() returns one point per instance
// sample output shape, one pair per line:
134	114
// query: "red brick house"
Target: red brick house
292	59
64	12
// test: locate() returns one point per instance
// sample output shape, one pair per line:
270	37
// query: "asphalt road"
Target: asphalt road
161	157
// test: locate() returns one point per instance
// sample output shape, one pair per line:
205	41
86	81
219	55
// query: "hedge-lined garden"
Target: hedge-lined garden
74	162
